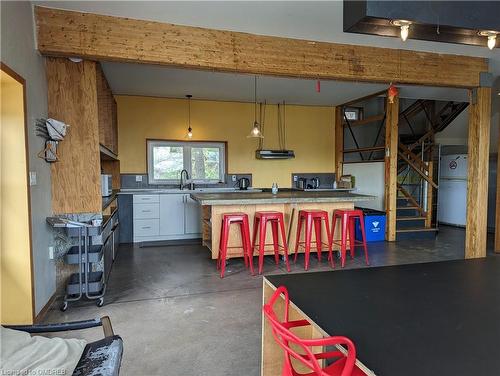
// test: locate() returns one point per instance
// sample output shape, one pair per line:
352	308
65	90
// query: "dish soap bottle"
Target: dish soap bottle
274	188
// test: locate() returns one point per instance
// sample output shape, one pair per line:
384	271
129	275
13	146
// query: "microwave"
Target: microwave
106	185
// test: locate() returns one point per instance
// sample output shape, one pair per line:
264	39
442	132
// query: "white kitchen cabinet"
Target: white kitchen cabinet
166	217
192	216
144	228
146	211
146	199
172	215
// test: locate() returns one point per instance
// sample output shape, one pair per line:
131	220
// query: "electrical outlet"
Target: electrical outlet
32	178
295	178
138	178
51	253
233	178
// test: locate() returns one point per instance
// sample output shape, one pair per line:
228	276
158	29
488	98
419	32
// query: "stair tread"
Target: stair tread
417	229
410	218
407	207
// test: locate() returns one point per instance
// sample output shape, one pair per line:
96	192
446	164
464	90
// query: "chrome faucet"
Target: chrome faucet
181	187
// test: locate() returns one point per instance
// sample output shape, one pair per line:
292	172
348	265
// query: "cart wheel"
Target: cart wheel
100	302
64	306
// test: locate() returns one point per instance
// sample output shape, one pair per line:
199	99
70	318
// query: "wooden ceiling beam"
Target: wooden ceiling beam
365	121
99	37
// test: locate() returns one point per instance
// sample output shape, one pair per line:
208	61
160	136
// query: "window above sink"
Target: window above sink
205	162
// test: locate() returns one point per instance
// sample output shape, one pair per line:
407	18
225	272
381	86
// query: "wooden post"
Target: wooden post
72	98
477	179
339	141
391	167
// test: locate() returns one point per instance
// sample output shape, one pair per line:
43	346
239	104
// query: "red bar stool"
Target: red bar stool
227	220
259	225
310	217
348	220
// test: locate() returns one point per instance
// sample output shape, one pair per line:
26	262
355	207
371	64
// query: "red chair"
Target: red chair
344	365
227	220
277	225
310	217
348	221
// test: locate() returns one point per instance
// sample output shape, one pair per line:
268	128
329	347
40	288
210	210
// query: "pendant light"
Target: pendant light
255	132
189	133
404	26
492	38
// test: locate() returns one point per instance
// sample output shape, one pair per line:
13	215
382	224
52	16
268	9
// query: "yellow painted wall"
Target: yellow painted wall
16	285
310	133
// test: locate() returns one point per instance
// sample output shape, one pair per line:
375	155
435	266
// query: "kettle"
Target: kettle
315	183
243	184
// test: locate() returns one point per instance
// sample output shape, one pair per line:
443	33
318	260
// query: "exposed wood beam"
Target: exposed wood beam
418	170
375	148
365	161
391	166
477	168
368	120
410	198
99	37
339	141
413	157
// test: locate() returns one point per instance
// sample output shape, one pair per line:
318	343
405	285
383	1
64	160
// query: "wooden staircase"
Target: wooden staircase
416	188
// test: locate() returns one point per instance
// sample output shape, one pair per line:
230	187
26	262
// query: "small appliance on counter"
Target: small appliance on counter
302	183
106	185
346	182
315	183
243	184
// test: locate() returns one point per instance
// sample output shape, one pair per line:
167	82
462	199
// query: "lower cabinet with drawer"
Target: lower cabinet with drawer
166	217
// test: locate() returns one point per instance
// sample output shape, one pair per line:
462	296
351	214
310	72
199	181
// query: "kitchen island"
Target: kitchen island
214	205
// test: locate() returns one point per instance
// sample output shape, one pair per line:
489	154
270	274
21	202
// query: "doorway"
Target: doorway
15	233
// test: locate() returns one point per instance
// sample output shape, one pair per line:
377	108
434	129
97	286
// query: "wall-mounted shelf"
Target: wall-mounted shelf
107	154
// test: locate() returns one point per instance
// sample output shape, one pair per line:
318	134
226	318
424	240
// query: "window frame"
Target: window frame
187	146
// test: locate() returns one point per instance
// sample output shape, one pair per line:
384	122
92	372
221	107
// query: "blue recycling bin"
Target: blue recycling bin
374	225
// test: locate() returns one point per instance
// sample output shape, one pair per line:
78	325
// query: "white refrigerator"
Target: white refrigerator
452	192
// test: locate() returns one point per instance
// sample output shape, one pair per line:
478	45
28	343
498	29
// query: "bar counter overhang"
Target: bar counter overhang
214	205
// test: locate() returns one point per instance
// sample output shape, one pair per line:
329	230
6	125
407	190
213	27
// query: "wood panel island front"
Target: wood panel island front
214	205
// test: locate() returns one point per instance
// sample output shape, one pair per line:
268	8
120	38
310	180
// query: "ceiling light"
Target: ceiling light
404	25
255	132
189	134
492	37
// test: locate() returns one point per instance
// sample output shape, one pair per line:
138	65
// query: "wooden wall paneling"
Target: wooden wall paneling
112	167
99	37
391	166
477	179
339	141
234	245
106	105
101	110
72	98
114	124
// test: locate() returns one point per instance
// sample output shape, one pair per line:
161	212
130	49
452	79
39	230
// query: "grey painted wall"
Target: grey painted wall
18	52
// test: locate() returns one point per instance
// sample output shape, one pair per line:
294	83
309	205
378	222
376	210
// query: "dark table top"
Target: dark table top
439	318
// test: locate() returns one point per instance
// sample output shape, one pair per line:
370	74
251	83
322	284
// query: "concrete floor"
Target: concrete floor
177	317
